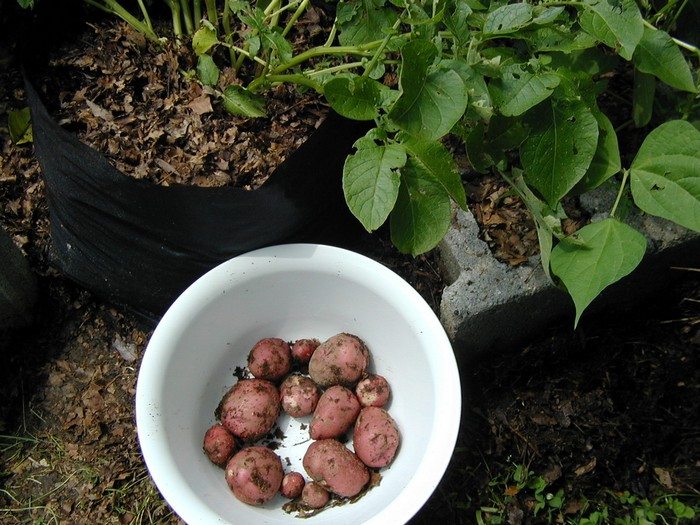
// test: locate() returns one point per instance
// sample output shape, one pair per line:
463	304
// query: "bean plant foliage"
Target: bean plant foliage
518	83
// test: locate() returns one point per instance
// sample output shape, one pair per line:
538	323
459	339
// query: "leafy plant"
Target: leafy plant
519	83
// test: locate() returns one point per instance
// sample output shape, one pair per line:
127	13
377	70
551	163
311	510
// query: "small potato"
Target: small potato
302	349
250	409
314	496
292	485
299	395
376	437
329	463
219	444
340	360
373	391
254	475
335	413
270	359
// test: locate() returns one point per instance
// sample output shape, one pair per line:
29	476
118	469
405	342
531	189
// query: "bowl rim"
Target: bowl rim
438	451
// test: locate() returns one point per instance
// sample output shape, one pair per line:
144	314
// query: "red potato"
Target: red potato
376	437
292	485
335	413
219	444
250	409
254	475
336	468
373	391
270	359
299	395
340	360
303	349
314	496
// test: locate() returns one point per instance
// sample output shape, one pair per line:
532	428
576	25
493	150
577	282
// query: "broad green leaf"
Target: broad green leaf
643	91
207	71
610	251
26	4
665	174
362	21
275	41
480	106
552	38
606	161
658	55
239	101
19	123
562	141
422	213
456	20
356	97
203	39
434	160
371	181
518	89
595	25
431	102
622	19
508	19
545	15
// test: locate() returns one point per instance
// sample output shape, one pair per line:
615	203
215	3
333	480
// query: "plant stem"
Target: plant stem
300	10
334	69
186	15
211	12
244	53
281	10
197	12
360	50
625	174
679	43
296	79
146	18
373	61
331	35
114	7
226	23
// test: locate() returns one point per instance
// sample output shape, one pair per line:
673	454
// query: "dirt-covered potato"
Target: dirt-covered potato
250	409
299	395
376	437
270	359
219	444
335	413
314	496
254	475
292	485
340	360
303	349
373	391
336	468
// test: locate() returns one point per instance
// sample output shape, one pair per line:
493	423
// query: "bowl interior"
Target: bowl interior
292	292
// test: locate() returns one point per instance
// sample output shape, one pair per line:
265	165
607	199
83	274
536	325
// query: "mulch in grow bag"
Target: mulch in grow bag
141	245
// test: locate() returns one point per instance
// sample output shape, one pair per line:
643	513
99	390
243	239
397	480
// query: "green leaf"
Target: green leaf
431	102
19	123
207	71
619	18
665	174
239	101
518	89
562	141
480	106
508	19
434	160
422	213
606	161
456	20
658	55
26	4
362	21
275	41
552	38
545	15
356	97
371	180
203	39
643	91
610	251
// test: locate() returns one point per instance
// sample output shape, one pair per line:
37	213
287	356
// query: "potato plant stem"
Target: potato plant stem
300	10
359	50
144	12
334	69
623	184
373	62
212	12
197	12
331	35
226	23
281	10
277	79
114	7
679	43
186	16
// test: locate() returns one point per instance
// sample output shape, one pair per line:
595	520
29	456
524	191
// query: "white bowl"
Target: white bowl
294	291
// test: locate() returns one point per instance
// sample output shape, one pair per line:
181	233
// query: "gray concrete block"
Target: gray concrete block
488	305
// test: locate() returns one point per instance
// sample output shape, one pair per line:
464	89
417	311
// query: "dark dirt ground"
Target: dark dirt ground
567	423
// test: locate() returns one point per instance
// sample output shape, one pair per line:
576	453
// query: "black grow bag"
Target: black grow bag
141	245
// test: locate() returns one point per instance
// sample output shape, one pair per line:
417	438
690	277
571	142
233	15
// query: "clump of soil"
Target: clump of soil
141	106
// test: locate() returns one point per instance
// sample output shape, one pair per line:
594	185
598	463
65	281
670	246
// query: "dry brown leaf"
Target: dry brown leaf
588	467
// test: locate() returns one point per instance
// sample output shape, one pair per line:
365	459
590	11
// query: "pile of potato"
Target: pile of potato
340	394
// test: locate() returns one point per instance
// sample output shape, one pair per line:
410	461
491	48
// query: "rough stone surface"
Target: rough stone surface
489	305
